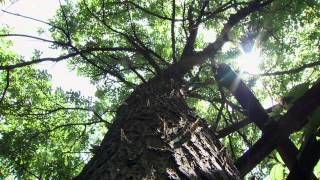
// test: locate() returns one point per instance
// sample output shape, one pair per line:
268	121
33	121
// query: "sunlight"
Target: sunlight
248	62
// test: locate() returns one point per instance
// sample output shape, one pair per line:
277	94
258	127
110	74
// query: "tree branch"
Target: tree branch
219	100
222	8
256	113
193	29
6	87
66	33
292	71
308	158
277	134
188	62
63	57
91	62
152	13
145	52
34	37
102	21
233	128
127	61
34	19
51	111
253	6
72	124
238	125
139	45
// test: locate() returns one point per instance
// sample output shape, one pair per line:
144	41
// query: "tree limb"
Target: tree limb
193	29
134	41
253	6
51	111
152	13
292	71
233	128
308	158
256	113
34	37
63	57
238	125
34	19
113	73
188	62
6	87
222	8
72	124
276	135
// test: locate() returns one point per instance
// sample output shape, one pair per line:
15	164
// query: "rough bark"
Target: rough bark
156	136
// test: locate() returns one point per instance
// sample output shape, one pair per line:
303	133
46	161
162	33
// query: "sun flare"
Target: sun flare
249	62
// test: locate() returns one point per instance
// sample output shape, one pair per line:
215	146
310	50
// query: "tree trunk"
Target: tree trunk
156	136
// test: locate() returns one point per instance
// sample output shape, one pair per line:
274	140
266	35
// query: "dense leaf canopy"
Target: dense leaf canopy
119	44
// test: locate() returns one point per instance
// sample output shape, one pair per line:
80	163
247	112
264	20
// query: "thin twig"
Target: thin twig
34	37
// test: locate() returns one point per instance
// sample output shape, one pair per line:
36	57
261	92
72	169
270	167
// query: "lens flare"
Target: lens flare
249	62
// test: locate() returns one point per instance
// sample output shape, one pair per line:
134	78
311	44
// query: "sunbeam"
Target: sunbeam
249	62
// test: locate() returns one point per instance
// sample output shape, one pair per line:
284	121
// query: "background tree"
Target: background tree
173	99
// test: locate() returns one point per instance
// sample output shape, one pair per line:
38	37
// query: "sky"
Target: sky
44	10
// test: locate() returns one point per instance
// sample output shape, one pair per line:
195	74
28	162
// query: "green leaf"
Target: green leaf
317	170
277	172
279	158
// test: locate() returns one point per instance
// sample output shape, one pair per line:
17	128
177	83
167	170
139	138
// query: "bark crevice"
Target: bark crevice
157	136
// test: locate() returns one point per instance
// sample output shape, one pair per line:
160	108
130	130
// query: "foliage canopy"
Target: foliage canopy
48	133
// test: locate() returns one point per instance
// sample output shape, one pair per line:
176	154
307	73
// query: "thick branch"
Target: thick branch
256	113
36	61
254	6
188	62
193	29
276	134
308	158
